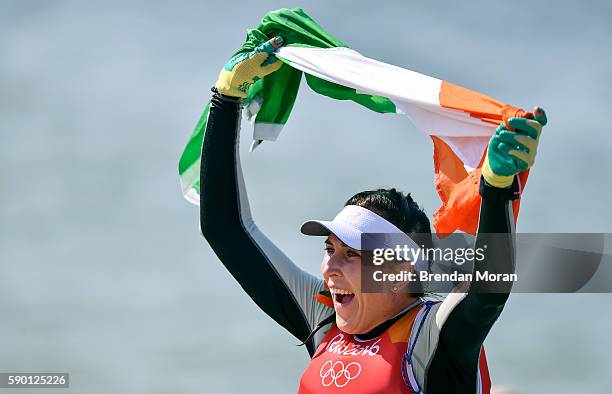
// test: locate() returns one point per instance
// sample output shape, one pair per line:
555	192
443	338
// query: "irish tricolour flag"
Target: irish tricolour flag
459	121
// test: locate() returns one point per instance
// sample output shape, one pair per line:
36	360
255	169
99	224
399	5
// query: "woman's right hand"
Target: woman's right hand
246	68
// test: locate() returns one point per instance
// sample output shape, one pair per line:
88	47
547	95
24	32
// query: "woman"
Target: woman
369	342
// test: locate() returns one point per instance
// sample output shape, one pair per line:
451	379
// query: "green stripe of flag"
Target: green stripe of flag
277	92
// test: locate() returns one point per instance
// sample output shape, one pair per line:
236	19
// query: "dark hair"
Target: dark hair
396	207
399	209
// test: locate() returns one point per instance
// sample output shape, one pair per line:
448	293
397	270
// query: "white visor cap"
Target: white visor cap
352	221
349	224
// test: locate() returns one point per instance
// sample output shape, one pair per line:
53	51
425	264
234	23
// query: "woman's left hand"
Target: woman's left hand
511	152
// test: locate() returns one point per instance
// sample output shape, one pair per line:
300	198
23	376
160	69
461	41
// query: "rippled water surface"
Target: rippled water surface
103	273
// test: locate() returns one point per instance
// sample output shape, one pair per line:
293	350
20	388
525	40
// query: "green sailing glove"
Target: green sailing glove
244	69
511	152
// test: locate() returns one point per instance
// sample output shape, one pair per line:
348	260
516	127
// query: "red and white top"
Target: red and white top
345	364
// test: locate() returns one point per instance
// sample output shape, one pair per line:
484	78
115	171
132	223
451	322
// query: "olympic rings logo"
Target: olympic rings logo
338	374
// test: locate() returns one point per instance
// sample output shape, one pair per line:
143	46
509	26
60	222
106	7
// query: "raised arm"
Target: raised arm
509	152
459	326
279	287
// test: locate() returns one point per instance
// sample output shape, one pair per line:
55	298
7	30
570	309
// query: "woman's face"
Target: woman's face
356	312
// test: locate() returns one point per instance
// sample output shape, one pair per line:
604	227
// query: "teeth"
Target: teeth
339	291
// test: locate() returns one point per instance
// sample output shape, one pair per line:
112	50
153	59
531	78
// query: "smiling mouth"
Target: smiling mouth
342	298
